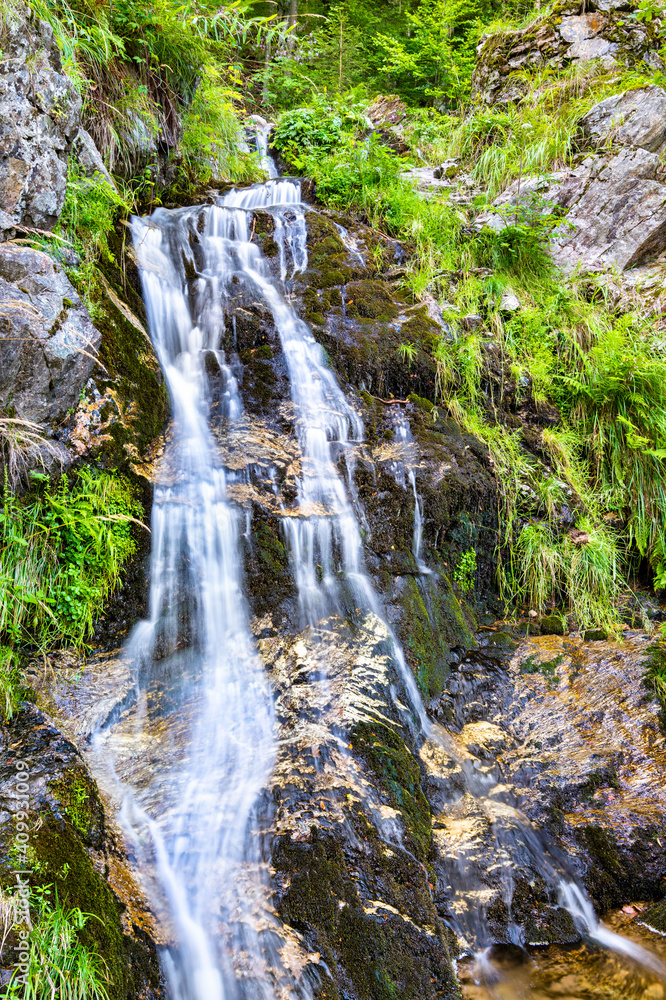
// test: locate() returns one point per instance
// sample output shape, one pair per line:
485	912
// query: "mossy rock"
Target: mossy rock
655	917
268	571
132	371
371	951
77	794
396	768
432	624
370	300
552	625
65	818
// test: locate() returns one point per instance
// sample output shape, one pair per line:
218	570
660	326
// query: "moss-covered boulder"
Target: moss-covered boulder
70	848
563	35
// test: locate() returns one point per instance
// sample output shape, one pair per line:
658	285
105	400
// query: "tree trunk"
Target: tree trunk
291	23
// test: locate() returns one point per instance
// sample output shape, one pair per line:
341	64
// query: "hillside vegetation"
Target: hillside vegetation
165	89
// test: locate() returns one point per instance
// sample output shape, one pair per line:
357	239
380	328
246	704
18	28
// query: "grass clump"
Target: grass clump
62	550
58	964
536	135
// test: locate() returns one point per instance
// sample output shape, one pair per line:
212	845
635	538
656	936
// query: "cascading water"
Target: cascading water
403	435
197	640
200	826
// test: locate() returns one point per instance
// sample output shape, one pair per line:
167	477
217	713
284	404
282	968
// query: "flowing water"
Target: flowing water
195	819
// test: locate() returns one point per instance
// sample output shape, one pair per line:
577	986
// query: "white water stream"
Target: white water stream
203	833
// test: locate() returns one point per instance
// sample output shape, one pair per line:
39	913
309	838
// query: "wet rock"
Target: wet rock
590	757
72	848
343	878
39	116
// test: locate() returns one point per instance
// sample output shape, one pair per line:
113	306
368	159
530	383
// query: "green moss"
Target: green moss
654	678
423	404
552	625
78	795
655	916
606	877
59	859
370	955
371	300
132	373
422	330
387	754
548	668
433	623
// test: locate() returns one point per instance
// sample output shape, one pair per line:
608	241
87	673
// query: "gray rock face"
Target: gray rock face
558	39
617	208
47	340
635	118
39	116
89	159
615	200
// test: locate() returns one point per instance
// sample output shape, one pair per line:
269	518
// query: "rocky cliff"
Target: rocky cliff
385	837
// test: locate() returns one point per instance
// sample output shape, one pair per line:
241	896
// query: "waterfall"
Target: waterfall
403	435
197	638
195	815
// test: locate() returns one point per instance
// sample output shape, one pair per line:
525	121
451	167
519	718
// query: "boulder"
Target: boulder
616	212
509	303
386	114
39	116
48	343
634	118
89	158
558	39
615	201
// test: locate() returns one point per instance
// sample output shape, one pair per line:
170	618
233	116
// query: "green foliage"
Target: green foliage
436	59
139	63
407	353
463	574
12	689
61	553
212	134
317	129
87	218
654	677
59	965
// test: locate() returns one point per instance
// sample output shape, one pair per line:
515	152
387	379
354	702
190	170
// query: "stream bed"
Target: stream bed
573	972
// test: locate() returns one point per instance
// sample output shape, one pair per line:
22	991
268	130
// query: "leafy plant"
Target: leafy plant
407	352
12	688
463	574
